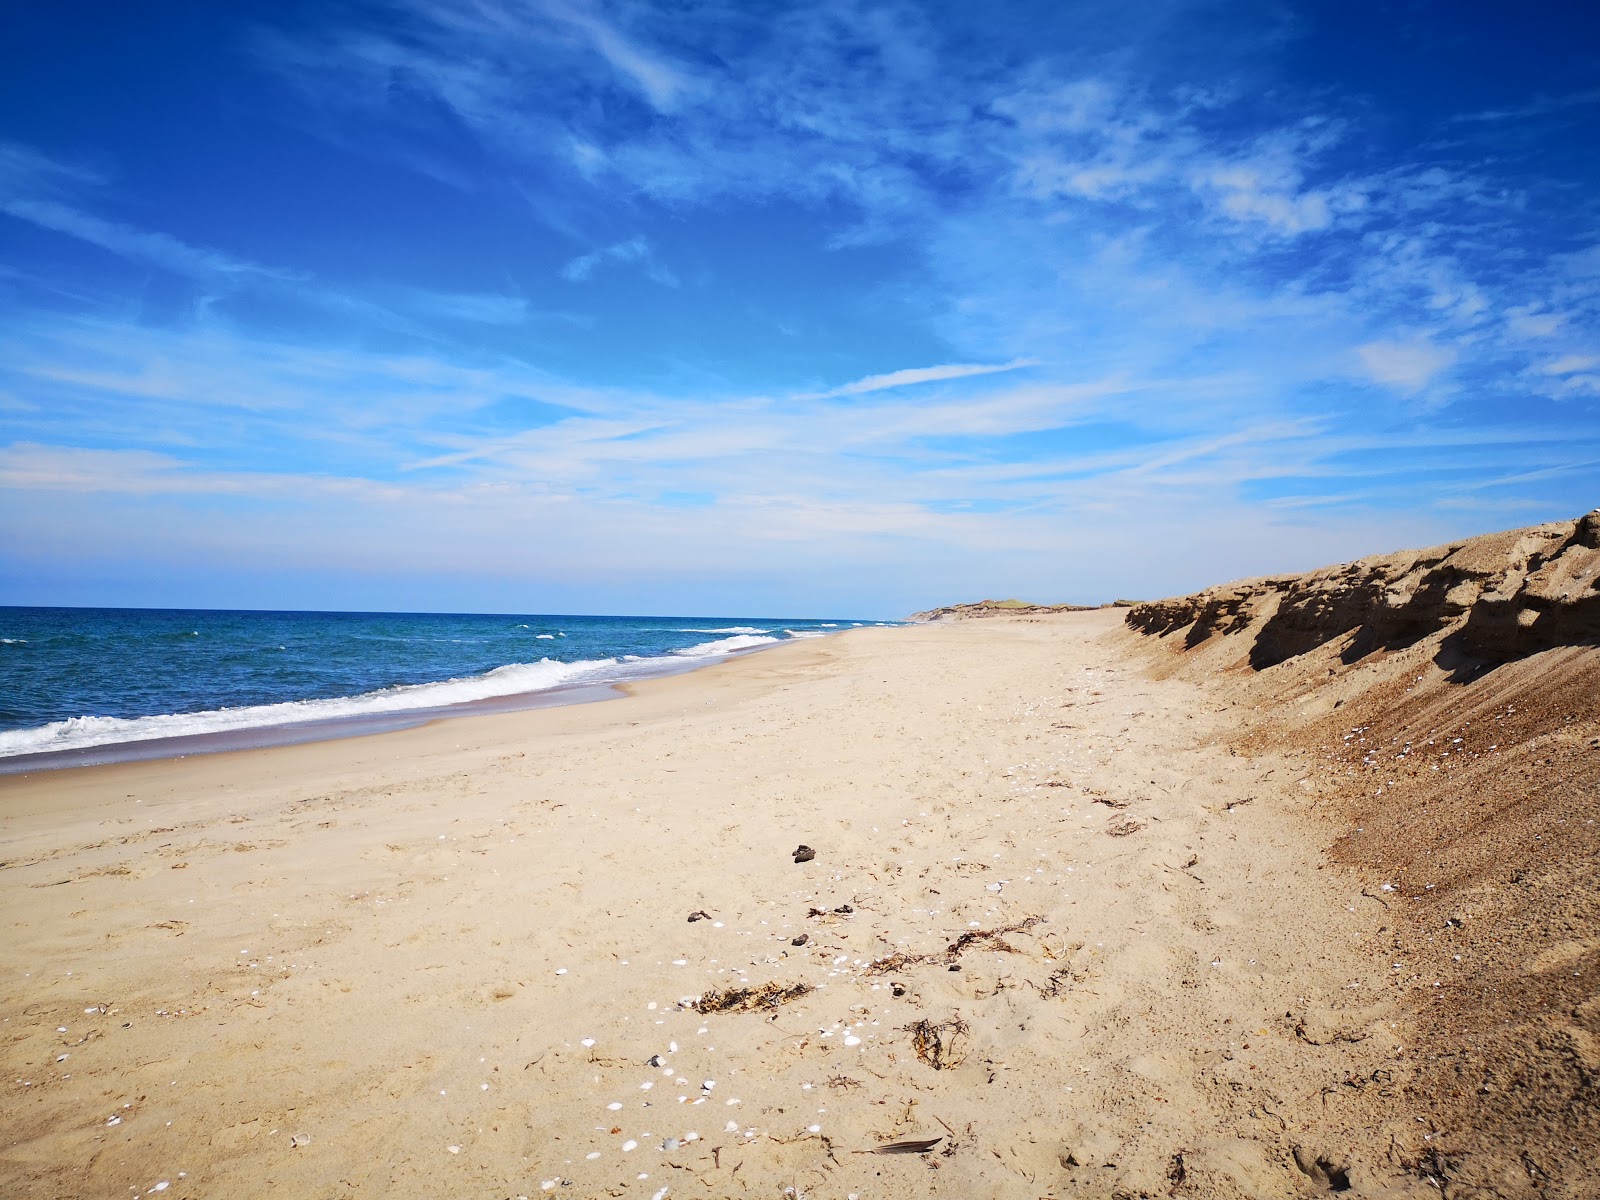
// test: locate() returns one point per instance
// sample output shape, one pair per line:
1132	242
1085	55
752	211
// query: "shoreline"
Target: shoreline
293	733
442	958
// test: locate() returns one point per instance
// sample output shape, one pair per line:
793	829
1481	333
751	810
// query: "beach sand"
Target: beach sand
442	959
1061	917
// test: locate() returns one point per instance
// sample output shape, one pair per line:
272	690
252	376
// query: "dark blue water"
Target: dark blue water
72	678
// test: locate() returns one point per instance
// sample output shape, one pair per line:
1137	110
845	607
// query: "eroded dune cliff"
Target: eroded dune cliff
1500	597
1445	705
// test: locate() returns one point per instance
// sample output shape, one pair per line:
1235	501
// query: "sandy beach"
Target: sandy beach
1093	920
442	959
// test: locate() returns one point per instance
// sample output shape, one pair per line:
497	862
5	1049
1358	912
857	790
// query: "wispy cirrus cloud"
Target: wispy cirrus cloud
1539	107
635	251
139	245
662	82
911	376
940	285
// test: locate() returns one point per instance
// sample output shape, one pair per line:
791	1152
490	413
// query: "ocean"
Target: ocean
104	684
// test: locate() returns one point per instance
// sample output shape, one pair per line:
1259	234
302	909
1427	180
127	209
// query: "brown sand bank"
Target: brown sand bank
1072	912
1449	702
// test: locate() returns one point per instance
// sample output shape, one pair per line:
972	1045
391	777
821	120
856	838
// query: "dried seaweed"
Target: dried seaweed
1124	827
1060	982
895	962
989	939
742	999
935	1044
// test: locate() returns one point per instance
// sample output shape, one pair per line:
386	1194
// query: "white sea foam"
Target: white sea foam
804	633
549	637
13	641
724	646
78	733
728	629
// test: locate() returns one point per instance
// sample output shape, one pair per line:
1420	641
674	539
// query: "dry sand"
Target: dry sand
442	962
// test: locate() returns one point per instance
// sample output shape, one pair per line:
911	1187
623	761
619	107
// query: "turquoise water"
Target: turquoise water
76	678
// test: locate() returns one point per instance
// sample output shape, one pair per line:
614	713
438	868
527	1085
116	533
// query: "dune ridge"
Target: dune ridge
1496	598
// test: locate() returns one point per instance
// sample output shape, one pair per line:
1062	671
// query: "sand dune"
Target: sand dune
1106	911
1450	699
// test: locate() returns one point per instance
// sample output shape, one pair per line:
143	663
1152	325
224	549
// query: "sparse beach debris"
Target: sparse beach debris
844	910
804	853
911	1146
897	961
1124	827
699	915
989	939
935	1043
801	940
1059	983
744	999
299	1139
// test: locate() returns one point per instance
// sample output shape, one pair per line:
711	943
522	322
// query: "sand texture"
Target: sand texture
1106	911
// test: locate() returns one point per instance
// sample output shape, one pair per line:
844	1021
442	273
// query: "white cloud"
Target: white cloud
29	466
157	249
1528	322
915	375
1539	107
1568	364
634	250
661	82
483	308
1406	366
1267	184
23	170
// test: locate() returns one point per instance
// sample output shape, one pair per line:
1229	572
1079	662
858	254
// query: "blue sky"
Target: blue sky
783	308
